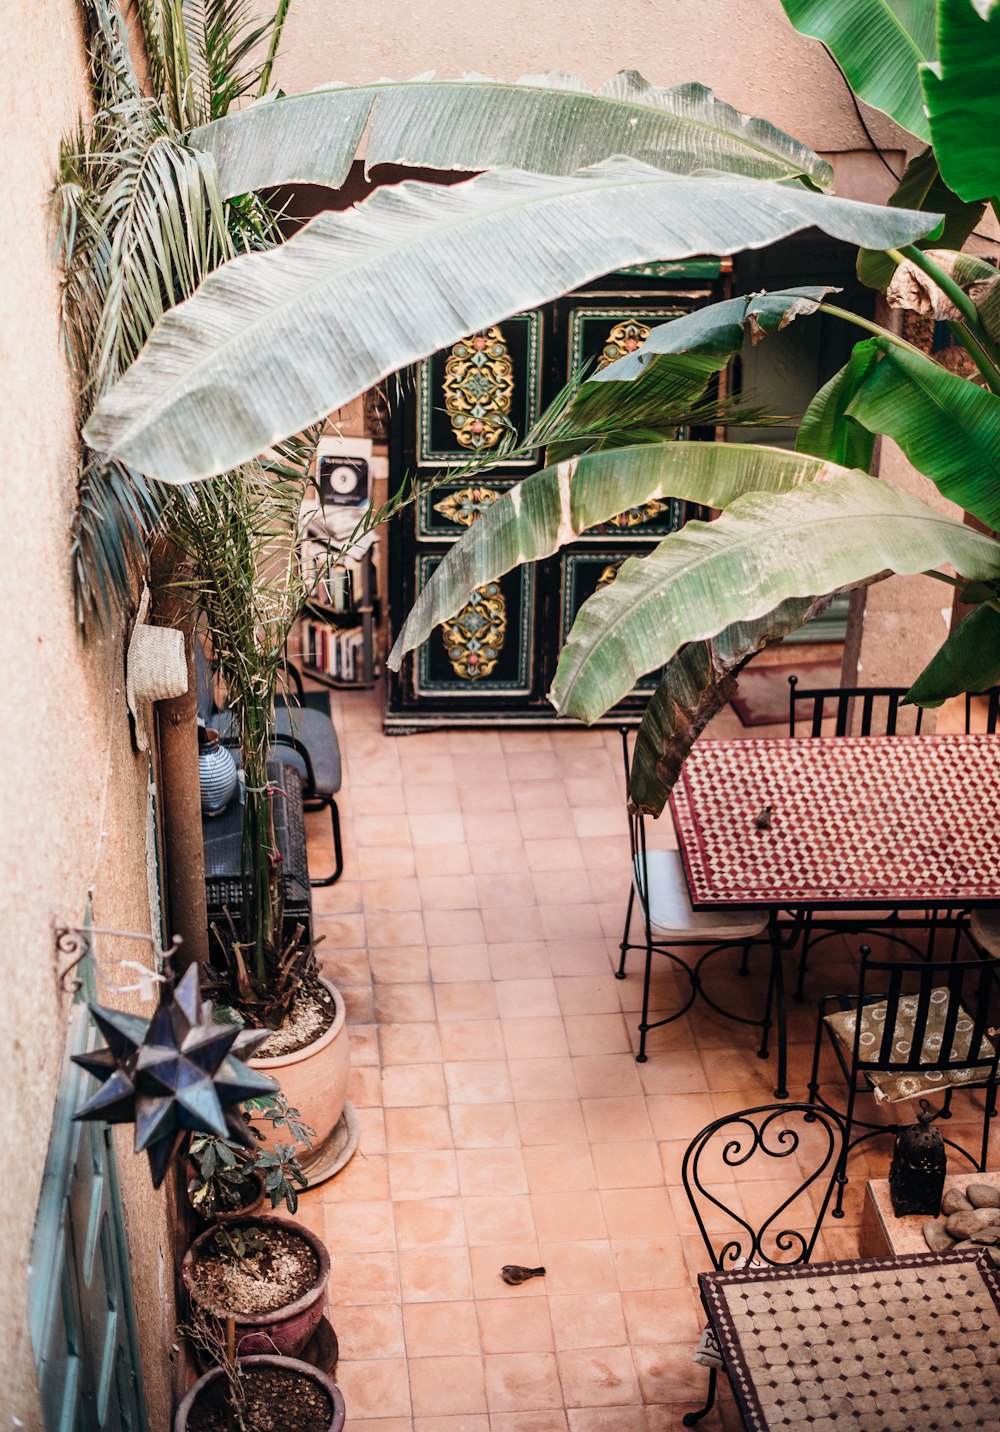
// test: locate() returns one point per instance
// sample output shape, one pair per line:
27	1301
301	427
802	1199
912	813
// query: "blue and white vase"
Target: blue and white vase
216	771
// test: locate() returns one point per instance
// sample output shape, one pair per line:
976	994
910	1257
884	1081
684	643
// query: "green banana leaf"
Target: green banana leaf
697	683
963	99
764	549
664	379
274	341
968	661
948	427
553	507
548	124
879	45
826	429
922	187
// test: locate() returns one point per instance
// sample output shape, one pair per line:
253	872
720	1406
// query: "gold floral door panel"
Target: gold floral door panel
496	658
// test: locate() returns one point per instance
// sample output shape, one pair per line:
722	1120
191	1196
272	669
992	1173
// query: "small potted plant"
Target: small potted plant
264	1393
229	1179
265	1276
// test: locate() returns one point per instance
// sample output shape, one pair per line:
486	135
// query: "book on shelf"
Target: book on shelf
334	652
335	582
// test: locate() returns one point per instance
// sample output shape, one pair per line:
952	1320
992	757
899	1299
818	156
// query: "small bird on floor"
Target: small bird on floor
513	1274
763	821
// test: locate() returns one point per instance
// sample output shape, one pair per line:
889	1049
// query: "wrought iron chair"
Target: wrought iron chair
858	711
813	1142
659	889
991	713
915	1028
305	738
843	703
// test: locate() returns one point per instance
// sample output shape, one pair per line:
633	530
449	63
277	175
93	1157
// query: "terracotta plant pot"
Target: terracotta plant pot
314	1080
284	1330
288	1364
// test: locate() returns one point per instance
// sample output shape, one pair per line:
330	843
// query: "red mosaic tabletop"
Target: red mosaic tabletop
908	1344
886	821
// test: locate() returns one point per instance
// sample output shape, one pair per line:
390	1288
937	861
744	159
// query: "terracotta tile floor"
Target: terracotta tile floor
504	1119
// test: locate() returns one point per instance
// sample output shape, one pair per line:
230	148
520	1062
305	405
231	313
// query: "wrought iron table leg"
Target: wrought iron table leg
781	1090
691	1419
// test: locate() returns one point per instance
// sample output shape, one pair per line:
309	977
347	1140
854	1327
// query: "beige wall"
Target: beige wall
63	729
744	49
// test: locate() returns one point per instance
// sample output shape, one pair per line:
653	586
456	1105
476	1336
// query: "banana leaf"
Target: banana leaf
922	187
879	45
827	430
274	341
963	99
764	549
553	507
968	661
547	124
948	427
695	686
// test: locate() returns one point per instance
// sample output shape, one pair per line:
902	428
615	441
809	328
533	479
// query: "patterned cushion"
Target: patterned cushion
708	1353
895	1086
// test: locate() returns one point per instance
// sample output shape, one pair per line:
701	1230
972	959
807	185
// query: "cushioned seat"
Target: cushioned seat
670	912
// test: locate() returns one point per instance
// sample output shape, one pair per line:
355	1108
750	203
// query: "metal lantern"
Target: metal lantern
916	1178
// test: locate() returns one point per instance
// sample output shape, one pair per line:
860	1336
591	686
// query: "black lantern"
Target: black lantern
916	1178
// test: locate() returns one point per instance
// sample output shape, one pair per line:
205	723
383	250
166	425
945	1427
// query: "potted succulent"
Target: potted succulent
230	1180
264	1276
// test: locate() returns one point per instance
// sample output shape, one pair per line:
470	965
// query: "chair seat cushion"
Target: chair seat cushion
316	732
670	911
985	928
892	1086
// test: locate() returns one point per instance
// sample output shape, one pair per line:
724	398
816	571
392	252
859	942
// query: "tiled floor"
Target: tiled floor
504	1119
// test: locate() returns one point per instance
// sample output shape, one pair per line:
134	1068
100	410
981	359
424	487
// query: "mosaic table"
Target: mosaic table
887	822
907	1344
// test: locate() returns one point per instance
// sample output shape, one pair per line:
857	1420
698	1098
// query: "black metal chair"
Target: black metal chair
857	711
914	1028
813	1141
878	707
304	739
991	715
658	886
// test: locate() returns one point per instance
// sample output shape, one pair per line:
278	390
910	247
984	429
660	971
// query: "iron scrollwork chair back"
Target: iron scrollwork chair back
765	1131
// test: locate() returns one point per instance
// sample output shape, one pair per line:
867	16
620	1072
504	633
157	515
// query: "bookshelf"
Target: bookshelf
339	623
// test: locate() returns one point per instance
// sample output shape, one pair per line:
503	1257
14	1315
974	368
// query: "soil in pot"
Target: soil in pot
313	1011
277	1400
261	1280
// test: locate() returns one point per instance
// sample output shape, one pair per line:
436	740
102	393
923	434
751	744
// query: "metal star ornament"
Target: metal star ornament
178	1073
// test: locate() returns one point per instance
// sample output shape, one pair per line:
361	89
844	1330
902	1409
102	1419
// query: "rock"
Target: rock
955	1201
987	1235
963	1225
936	1237
983	1195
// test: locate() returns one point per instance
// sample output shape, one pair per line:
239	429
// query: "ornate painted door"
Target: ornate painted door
497	657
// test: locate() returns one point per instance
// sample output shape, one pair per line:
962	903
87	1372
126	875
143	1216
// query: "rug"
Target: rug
762	691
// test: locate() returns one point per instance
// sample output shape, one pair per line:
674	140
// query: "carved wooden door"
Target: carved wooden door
497	657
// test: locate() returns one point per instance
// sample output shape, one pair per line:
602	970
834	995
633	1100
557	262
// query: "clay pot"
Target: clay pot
314	1080
289	1364
284	1330
255	1181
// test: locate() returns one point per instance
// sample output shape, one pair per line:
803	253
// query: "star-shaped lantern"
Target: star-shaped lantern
178	1073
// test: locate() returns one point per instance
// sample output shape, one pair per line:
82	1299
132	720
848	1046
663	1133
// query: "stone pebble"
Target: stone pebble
965	1224
982	1195
954	1201
936	1237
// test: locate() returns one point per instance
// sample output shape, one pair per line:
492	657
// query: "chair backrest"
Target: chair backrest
779	1206
878	705
975	702
927	1016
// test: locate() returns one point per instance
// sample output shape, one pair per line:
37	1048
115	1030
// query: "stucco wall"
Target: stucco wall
63	730
744	49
